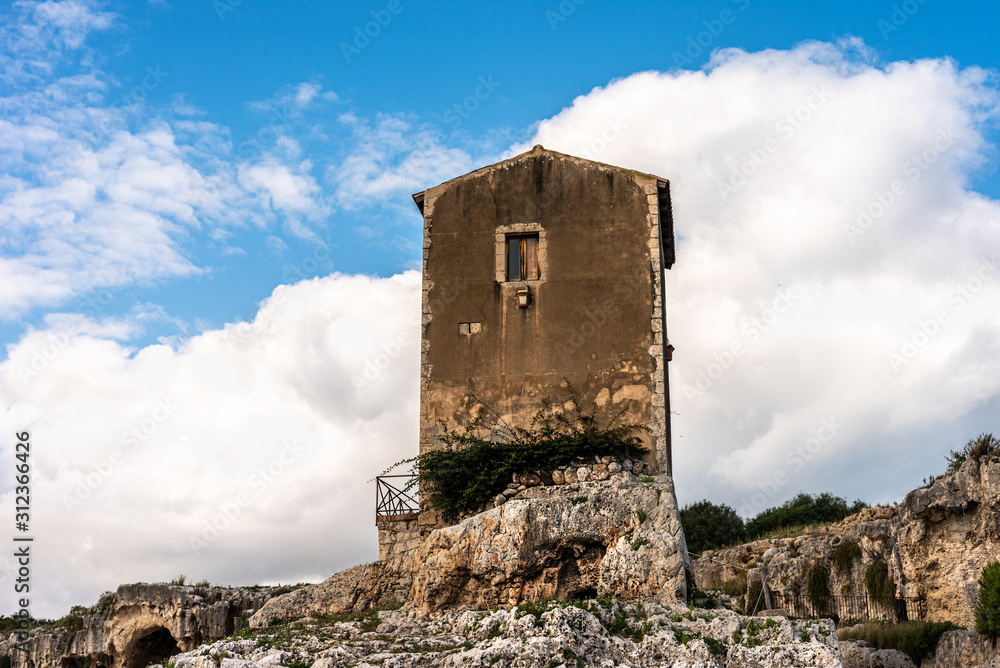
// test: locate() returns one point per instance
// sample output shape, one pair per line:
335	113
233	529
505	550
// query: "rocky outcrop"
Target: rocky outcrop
620	537
356	589
934	545
859	655
590	633
961	649
139	624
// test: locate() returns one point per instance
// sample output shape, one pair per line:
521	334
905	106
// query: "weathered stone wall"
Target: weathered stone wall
397	541
596	320
935	544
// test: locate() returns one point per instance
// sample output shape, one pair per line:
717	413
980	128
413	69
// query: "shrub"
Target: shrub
715	646
804	509
843	556
818	588
735	586
983	445
877	581
709	526
70	622
917	640
471	468
988	608
755	598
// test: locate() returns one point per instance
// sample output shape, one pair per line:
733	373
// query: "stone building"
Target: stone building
540	270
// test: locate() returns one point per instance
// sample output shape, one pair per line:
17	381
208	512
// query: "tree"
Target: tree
708	526
988	608
802	510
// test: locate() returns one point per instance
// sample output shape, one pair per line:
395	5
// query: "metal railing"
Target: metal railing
862	608
393	503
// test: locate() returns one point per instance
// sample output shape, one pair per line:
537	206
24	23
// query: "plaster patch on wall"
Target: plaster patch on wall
602	397
631	392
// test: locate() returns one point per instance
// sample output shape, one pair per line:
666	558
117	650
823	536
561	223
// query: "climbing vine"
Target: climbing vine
474	466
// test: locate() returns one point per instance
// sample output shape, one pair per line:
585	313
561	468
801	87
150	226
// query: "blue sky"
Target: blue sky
206	235
229	60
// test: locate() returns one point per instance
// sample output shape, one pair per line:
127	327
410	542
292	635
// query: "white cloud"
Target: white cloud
393	157
773	158
98	195
292	100
283	190
136	450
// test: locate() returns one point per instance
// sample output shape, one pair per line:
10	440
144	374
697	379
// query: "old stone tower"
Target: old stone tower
541	269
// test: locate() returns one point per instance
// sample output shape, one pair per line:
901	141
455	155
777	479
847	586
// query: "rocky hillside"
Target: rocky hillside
140	624
932	547
621	537
591	633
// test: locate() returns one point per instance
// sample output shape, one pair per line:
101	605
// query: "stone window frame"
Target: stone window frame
520	229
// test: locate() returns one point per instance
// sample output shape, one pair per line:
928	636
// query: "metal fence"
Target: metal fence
393	503
862	608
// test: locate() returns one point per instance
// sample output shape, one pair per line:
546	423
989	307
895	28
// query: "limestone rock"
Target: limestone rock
353	590
140	624
558	477
857	655
583	474
549	545
959	649
550	634
935	544
570	475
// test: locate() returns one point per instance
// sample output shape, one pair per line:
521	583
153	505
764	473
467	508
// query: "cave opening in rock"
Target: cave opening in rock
579	570
153	647
73	661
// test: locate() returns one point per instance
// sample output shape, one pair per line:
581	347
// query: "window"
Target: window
522	257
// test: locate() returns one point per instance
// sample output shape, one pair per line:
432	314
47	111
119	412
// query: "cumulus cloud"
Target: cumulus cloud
833	302
100	193
832	307
242	455
393	156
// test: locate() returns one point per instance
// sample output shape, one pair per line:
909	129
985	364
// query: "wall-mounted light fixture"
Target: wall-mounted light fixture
670	352
523	297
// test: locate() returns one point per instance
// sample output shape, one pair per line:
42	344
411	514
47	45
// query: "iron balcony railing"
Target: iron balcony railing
861	608
396	502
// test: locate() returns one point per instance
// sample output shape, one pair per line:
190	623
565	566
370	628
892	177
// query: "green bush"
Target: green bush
804	509
708	526
984	445
471	468
917	640
988	608
735	586
877	581
843	556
